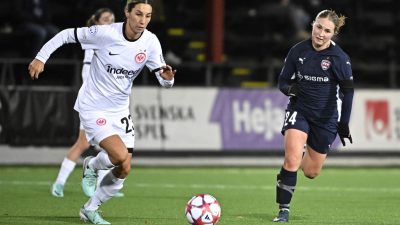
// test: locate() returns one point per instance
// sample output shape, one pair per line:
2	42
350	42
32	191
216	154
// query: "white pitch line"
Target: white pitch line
263	187
220	186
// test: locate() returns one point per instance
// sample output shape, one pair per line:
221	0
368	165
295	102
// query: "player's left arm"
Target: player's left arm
165	73
346	84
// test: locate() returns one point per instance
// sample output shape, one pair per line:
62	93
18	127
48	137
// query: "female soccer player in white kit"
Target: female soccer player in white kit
121	50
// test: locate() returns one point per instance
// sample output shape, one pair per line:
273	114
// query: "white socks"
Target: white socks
67	166
101	162
101	174
109	186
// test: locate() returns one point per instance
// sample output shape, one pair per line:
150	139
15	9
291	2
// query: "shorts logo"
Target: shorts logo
325	64
101	121
93	30
140	57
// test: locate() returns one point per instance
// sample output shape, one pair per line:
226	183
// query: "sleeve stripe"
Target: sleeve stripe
156	70
76	35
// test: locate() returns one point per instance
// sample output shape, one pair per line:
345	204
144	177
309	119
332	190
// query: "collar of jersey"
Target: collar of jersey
126	38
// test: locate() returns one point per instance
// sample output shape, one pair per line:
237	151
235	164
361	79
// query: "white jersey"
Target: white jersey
87	60
116	63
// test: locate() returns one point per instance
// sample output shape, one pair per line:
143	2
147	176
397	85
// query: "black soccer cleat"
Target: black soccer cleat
283	216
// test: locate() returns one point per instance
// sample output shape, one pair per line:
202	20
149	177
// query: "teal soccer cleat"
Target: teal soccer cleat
92	216
89	178
57	190
283	216
119	195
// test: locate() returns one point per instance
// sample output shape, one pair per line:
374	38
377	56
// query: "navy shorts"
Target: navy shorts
320	135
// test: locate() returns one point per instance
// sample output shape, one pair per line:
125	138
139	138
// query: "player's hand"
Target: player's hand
293	89
167	73
344	132
35	68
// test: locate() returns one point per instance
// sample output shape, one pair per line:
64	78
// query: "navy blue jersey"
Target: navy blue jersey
318	75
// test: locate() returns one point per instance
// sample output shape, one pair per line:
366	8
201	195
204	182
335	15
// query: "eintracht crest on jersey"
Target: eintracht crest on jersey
117	61
140	57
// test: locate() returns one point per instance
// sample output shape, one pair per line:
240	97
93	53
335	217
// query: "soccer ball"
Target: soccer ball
203	209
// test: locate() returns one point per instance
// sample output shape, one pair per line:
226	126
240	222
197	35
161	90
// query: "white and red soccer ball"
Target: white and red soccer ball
203	209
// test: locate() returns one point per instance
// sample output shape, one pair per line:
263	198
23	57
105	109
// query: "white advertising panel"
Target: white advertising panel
174	119
375	120
245	119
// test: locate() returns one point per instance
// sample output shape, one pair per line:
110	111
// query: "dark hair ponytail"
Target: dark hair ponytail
96	16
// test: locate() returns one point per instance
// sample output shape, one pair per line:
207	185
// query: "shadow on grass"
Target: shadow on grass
55	220
267	217
43	220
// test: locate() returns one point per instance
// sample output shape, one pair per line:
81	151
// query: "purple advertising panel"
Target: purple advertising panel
250	119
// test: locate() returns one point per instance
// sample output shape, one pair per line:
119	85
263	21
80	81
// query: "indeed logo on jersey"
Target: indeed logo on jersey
120	72
312	78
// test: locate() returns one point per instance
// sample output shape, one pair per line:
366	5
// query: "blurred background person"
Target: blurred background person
33	18
100	17
289	19
159	25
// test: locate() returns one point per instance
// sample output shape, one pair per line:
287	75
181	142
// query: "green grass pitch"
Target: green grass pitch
157	196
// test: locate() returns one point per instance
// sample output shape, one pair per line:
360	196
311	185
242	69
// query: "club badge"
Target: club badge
140	57
325	64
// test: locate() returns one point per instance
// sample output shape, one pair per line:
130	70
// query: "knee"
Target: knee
125	170
119	159
292	163
83	144
311	174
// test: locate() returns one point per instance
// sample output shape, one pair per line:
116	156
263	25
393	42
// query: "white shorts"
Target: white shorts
99	125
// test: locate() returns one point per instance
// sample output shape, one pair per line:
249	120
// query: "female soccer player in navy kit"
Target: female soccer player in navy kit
121	50
317	76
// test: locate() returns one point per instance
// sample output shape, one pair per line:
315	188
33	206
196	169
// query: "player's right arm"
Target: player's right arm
88	37
35	68
37	65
